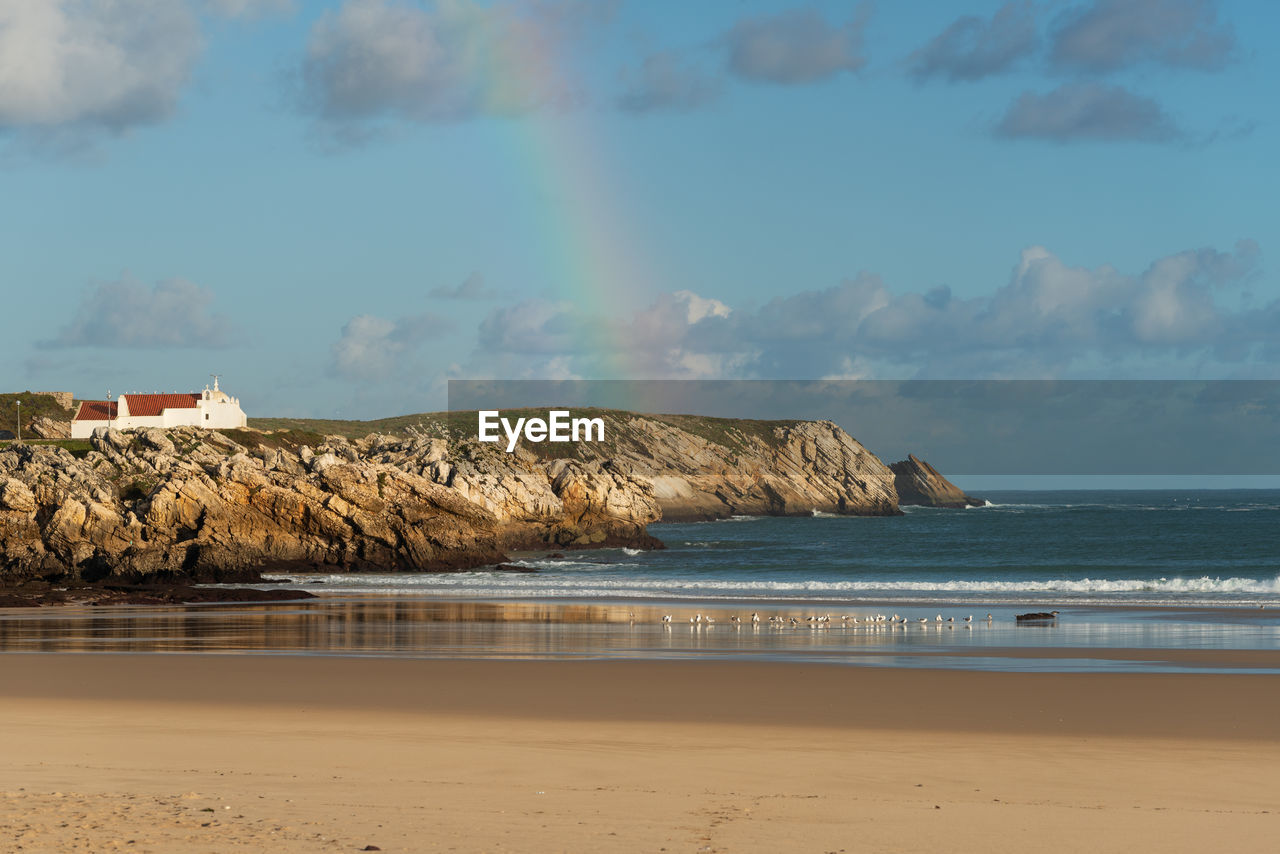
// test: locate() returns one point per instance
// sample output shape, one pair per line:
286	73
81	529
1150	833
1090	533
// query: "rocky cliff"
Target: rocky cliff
223	505
710	468
919	483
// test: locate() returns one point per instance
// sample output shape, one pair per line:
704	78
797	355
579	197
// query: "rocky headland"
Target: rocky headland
183	505
919	483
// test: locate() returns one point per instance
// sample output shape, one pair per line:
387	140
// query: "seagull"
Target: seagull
922	620
969	619
938	619
733	618
988	618
951	619
708	620
755	618
666	618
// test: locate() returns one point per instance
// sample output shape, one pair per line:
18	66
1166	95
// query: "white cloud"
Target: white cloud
380	59
374	348
1048	317
972	48
250	8
1108	35
1087	111
797	46
126	314
667	81
93	64
470	288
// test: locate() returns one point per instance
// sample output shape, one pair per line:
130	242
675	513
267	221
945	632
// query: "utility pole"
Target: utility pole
19	422
108	409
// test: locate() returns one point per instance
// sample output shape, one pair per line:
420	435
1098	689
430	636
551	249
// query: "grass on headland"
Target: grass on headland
736	434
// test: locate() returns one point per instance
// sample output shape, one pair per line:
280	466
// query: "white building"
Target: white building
212	409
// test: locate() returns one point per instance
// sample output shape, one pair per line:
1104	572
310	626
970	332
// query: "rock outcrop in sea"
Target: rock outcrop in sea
190	504
919	483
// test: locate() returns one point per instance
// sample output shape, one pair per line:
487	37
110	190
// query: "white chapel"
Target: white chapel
212	409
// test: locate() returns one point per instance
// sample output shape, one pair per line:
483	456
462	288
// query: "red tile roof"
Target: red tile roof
95	410
154	404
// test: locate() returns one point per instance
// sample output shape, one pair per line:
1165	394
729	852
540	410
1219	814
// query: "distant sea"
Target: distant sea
1126	548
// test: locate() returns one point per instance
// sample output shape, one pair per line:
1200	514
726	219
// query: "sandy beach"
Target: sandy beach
175	753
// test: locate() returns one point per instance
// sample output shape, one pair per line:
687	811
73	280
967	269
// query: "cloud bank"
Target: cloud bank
1049	317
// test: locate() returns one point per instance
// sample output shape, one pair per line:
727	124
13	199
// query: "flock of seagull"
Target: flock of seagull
824	621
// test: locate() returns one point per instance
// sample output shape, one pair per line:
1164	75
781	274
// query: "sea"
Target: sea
1162	581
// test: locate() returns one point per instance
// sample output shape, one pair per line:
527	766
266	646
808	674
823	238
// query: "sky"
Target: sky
339	206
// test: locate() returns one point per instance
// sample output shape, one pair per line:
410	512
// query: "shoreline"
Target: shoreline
1215	642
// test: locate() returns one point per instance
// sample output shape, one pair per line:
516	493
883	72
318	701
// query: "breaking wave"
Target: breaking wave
1172	591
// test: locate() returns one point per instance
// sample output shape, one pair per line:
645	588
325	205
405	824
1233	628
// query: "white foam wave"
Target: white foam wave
591	585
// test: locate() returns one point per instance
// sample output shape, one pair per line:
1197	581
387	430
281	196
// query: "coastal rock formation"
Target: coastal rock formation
186	503
47	428
919	483
783	469
190	503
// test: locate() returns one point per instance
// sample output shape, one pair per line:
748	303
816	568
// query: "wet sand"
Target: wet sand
146	752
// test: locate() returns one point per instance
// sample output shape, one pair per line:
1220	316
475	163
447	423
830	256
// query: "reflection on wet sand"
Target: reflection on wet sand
547	629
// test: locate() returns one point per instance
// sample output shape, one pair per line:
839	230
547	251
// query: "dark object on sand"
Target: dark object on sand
371	848
555	556
1037	617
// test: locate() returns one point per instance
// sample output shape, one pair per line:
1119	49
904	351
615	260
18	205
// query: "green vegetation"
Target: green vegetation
288	440
736	434
33	406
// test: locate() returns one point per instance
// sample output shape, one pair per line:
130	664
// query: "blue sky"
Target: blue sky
339	206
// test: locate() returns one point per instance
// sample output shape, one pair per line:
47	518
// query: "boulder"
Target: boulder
46	428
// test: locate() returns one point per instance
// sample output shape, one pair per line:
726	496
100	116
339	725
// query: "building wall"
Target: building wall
206	414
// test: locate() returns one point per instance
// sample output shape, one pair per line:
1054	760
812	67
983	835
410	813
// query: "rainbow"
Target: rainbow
589	245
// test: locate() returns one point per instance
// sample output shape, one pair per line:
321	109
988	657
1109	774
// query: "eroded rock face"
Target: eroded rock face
46	428
919	483
166	502
793	469
183	501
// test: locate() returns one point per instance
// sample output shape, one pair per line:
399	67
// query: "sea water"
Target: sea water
1209	548
1144	581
